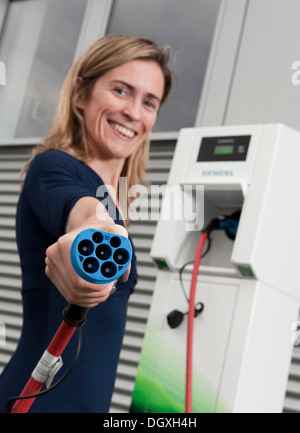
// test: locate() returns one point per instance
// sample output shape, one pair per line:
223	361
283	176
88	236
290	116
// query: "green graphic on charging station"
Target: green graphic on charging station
160	381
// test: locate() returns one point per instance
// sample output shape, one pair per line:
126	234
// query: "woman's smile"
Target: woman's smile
122	130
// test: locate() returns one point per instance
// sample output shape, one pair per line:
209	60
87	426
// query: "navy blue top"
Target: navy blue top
54	182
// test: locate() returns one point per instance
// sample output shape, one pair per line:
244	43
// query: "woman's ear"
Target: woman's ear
79	102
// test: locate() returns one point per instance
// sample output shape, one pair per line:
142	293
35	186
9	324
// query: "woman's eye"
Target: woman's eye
120	91
151	105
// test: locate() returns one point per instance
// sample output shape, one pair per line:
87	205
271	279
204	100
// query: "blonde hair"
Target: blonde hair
68	129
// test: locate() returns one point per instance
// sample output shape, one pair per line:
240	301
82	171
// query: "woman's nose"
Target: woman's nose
132	109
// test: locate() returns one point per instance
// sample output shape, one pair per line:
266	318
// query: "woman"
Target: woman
108	105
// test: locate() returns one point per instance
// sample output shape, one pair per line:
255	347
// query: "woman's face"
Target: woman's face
123	108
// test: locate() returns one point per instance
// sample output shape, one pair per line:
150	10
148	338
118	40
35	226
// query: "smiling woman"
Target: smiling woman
108	105
120	113
69	132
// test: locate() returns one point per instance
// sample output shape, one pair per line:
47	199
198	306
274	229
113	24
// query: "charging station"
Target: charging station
249	285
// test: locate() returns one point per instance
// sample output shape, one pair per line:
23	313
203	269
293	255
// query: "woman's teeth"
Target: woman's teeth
123	130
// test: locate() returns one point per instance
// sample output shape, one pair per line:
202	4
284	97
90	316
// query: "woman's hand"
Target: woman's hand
87	213
61	272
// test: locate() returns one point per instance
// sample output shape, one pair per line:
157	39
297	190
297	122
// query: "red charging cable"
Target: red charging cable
191	315
55	348
74	317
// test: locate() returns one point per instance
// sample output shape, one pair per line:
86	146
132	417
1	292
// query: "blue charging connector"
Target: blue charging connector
100	257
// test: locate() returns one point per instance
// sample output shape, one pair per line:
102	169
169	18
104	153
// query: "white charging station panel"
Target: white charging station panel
250	286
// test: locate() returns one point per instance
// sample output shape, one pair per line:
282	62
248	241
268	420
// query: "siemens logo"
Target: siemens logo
217	173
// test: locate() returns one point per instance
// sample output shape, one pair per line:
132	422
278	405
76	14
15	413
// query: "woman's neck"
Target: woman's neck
109	170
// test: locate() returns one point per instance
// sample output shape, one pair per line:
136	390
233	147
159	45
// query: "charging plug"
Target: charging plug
175	317
229	223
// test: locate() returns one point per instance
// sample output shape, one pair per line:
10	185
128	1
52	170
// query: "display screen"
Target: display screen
223	150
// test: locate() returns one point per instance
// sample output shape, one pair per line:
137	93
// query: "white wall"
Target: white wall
250	77
262	89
